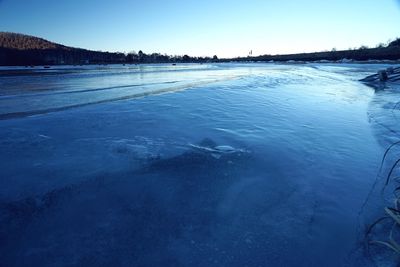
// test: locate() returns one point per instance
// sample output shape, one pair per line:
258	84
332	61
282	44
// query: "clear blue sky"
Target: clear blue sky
227	28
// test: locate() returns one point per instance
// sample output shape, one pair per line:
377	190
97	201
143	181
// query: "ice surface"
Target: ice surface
189	165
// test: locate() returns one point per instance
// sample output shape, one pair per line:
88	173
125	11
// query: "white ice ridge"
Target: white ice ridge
218	151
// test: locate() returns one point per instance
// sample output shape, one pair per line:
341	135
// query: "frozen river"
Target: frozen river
189	165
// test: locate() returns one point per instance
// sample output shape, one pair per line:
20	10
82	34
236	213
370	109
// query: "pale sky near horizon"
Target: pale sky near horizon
227	28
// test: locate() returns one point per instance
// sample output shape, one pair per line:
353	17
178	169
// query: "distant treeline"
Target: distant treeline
14	57
141	57
382	52
19	49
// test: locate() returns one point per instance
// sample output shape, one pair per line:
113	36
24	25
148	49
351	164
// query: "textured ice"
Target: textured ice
191	165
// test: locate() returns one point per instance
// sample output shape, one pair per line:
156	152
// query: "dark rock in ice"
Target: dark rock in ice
389	75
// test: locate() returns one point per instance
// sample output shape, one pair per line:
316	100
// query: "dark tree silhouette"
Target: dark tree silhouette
395	43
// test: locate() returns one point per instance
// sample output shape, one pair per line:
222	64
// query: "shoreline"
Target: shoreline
342	61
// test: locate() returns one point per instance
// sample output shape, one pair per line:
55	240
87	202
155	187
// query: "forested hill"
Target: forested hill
26	42
20	49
